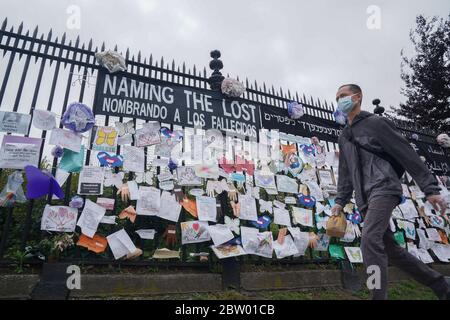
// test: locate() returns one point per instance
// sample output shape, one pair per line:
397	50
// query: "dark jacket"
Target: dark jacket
377	134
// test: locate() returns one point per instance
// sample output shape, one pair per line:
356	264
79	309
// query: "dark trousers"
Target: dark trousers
378	247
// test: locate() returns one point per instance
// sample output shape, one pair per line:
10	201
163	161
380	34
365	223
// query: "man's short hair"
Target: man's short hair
354	88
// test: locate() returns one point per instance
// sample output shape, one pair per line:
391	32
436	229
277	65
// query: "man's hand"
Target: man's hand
438	203
336	209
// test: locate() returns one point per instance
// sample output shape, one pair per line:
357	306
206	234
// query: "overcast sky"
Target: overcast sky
307	46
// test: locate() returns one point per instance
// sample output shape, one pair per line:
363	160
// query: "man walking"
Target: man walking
373	156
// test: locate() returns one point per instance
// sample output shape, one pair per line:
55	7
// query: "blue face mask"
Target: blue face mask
345	104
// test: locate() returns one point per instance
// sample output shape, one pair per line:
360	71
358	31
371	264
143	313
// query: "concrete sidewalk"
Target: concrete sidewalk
13	286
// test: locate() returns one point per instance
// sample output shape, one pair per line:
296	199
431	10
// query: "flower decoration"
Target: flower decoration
78	117
232	88
111	60
76	202
295	110
57	151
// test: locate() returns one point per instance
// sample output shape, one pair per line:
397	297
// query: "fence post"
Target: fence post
216	78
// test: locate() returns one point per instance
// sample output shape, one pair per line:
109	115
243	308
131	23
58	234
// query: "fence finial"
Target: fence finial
379	110
216	78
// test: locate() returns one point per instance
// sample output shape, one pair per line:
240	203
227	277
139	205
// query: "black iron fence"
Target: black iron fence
40	71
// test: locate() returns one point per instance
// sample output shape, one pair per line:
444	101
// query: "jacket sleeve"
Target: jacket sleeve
396	145
345	186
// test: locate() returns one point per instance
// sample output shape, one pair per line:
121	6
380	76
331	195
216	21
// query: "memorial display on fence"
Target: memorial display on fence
248	180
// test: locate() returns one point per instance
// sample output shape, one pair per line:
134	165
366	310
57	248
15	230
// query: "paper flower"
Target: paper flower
78	117
443	140
76	202
40	183
232	88
111	60
57	152
295	110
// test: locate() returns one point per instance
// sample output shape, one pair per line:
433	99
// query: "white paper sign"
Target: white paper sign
66	139
90	181
286	184
220	233
248	208
17	152
133	159
44	120
149	201
206	208
170	210
281	217
302	216
120	244
90	218
14	122
148	234
59	218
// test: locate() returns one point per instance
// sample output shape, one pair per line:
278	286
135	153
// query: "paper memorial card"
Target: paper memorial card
44	120
149	134
220	233
408	227
301	240
120	244
326	177
206	208
442	252
207	170
186	177
228	251
90	218
105	139
248	208
17	152
265	206
302	216
315	190
433	234
109	219
90	181
286	184
14	122
124	140
133	159
308	174
257	243
322	242
149	201
354	254
332	159
437	221
281	217
194	232
133	188
59	218
424	256
148	234
170	208
288	248
424	242
263	180
409	210
106	203
66	139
